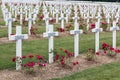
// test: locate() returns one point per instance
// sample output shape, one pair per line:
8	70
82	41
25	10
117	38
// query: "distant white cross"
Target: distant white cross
75	18
9	21
62	18
46	18
57	12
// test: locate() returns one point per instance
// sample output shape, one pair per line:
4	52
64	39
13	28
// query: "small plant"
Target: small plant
30	63
104	25
33	31
41	17
110	51
52	21
60	29
91	54
68	27
92	26
65	61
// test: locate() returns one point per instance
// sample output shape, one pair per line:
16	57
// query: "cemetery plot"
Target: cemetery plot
73	24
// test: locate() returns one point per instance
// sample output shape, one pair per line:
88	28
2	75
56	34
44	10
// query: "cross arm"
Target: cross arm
76	32
97	30
49	34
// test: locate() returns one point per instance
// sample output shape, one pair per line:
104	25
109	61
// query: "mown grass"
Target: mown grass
7	50
109	71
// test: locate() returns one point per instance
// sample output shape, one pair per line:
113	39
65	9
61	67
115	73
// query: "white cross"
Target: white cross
62	20
114	29
117	16
46	18
9	21
108	18
75	18
76	33
16	10
57	12
6	16
34	15
67	15
98	17
97	30
18	37
30	19
26	12
50	34
21	14
88	20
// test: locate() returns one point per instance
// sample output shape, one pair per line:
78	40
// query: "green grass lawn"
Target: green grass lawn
105	72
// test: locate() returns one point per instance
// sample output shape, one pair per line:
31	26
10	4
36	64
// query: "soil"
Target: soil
55	71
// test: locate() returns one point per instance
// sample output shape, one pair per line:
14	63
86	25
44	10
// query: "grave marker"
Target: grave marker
97	30
114	29
18	37
76	33
50	34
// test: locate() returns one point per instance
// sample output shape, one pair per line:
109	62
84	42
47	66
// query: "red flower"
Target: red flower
39	57
52	20
30	55
12	34
97	53
92	26
105	46
60	29
62	63
75	63
62	58
25	65
104	23
66	51
23	56
38	63
31	64
117	51
42	16
56	57
90	49
111	48
104	51
13	59
43	65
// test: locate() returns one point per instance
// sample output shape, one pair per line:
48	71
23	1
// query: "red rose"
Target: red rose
62	63
97	53
75	63
31	64
56	57
39	57
92	26
111	48
43	65
30	55
23	57
38	63
13	59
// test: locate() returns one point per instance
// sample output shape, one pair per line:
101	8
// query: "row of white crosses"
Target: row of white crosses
30	19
